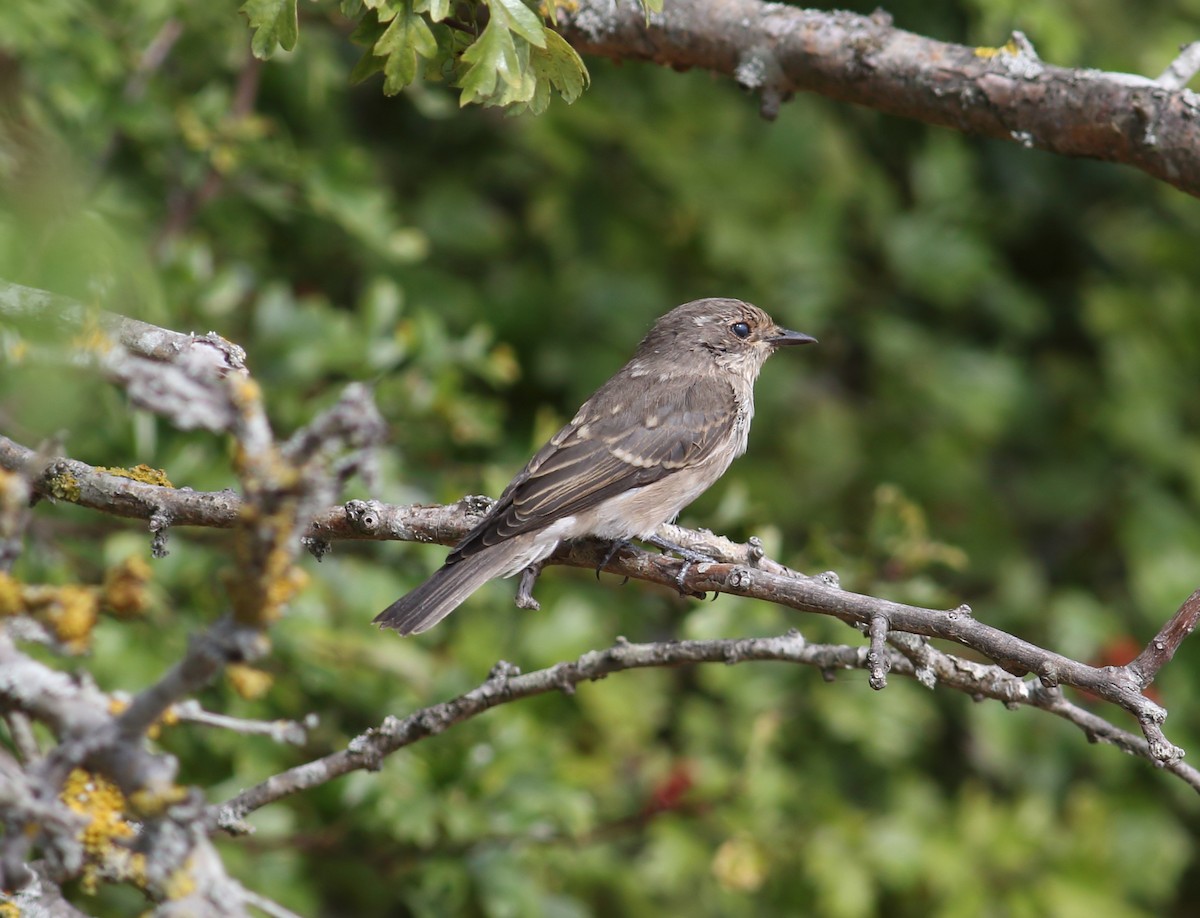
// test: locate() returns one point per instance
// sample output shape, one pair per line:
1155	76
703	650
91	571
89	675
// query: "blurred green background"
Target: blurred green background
1003	410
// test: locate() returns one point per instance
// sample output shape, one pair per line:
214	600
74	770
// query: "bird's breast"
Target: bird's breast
638	512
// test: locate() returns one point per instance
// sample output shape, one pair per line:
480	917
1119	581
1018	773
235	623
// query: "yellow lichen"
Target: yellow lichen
136	869
12	602
265	579
125	587
102	802
106	831
1009	47
69	611
73	616
92	337
9	910
144	473
283	585
152	801
549	8
181	883
169	718
248	681
64	486
245	391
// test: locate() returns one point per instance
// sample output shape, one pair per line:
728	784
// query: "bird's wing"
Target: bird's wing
626	436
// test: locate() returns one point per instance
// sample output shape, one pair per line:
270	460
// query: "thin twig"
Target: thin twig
267	906
1160	650
20	730
292	732
1183	68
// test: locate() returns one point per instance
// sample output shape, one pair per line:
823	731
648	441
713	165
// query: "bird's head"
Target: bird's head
734	334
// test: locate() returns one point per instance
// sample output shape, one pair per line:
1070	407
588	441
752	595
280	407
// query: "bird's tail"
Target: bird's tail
422	608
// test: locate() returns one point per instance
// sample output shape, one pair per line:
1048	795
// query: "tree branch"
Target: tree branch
506	684
742	570
1006	93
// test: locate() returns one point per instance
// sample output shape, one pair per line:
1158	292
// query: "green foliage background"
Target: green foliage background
1002	411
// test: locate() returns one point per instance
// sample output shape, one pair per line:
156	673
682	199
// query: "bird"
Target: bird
651	440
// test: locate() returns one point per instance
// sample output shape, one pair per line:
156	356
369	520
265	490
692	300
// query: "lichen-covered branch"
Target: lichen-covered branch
1003	92
100	766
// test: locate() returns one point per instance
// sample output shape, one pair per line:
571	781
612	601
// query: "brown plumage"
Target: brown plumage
648	443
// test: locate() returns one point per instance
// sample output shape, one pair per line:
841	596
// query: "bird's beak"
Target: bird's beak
785	337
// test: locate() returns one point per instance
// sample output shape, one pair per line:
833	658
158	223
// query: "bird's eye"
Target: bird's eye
741	329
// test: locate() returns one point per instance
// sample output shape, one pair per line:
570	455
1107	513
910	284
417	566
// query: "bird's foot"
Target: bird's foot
689	558
615	547
524	598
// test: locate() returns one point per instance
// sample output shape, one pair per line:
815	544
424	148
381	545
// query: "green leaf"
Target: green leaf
407	36
520	19
521	90
368	65
560	66
367	33
556	67
493	54
541	98
274	23
652	6
527	73
437	9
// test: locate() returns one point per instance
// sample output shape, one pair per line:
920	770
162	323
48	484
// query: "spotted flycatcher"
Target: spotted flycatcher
649	442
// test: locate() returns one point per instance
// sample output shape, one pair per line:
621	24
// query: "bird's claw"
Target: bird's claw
687	554
615	547
689	557
681	576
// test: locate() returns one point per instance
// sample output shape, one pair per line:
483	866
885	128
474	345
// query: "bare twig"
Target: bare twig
1160	650
281	731
1183	68
225	642
20	730
267	906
